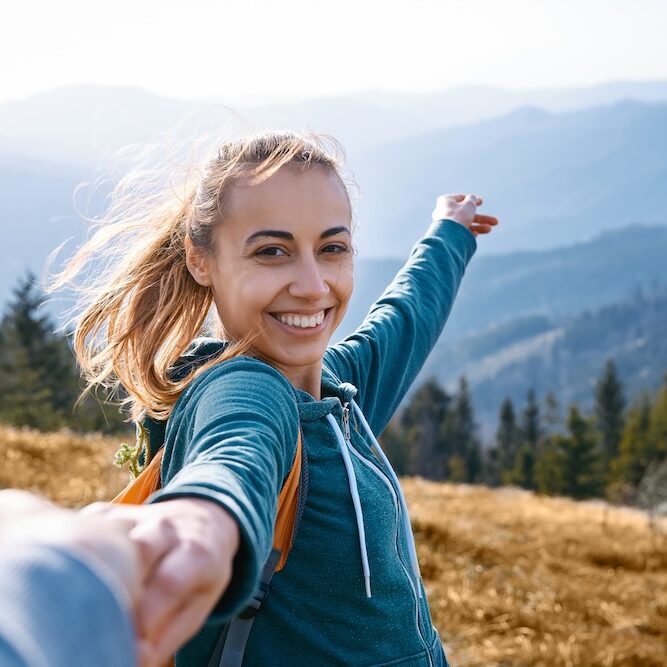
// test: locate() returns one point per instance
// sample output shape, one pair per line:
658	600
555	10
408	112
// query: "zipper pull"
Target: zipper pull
346	421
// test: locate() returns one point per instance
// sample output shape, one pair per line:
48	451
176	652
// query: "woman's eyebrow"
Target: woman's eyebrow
270	233
333	231
274	233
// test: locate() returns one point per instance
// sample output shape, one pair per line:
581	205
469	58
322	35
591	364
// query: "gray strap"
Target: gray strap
232	643
230	649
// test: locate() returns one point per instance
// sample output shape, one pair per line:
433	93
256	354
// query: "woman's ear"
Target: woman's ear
195	260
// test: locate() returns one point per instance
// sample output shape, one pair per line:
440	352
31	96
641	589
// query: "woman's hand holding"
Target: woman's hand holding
463	209
191	544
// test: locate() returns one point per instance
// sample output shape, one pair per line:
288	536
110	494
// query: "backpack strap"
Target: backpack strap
230	649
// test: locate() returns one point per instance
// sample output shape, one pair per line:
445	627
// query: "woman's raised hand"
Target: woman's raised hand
463	209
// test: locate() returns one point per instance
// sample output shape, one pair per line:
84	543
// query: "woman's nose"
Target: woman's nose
309	281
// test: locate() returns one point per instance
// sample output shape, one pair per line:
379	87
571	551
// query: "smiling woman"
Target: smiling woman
290	285
264	239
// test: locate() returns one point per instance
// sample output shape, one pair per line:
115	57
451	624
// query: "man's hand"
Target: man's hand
463	209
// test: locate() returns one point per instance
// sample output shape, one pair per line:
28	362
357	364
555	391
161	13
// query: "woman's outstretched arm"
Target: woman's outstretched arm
385	354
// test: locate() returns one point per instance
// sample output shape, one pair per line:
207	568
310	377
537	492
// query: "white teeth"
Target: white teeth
301	321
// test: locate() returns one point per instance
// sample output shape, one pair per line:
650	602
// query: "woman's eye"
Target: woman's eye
335	248
271	251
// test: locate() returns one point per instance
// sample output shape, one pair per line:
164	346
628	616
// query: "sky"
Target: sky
224	49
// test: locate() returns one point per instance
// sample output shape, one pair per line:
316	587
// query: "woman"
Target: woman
265	237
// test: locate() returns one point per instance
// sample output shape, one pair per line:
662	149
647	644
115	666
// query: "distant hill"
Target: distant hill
552	179
86	124
565	355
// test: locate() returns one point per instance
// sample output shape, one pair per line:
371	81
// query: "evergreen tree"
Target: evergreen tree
39	382
634	449
461	435
657	432
581	476
422	426
609	413
549	465
507	441
491	467
394	445
552	417
530	431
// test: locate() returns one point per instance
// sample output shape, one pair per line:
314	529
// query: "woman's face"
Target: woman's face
282	265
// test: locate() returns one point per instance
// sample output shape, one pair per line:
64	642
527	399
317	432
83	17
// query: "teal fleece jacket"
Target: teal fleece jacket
231	438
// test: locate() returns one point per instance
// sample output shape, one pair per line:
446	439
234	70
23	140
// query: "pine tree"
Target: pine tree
422	426
657	432
609	413
461	435
581	476
634	449
530	431
549	465
552	417
395	446
507	441
39	382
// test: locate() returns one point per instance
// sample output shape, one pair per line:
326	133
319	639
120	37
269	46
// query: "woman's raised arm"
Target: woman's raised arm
385	354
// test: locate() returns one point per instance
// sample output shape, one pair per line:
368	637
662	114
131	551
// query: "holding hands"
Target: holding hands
173	559
463	209
190	545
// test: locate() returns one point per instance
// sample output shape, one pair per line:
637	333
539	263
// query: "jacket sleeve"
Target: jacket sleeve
385	354
59	608
233	441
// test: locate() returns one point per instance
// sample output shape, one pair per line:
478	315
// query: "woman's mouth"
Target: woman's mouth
300	320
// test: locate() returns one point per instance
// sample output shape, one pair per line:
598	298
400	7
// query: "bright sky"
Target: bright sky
231	48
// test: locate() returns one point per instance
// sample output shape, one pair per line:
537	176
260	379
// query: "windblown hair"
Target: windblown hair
141	308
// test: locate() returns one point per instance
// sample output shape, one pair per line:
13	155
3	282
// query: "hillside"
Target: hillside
565	355
552	179
512	578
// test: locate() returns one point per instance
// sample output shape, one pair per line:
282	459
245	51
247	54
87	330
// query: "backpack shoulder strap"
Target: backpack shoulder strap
231	645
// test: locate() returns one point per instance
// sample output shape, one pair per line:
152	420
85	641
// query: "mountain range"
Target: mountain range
577	177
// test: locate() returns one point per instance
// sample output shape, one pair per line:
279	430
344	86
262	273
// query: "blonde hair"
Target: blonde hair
142	309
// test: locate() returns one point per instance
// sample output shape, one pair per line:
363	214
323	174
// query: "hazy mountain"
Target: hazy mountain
37	212
551	179
86	124
466	104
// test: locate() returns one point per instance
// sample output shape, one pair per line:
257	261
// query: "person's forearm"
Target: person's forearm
59	610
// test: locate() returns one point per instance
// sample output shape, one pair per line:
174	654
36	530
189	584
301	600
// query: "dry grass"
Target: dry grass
73	470
518	579
514	579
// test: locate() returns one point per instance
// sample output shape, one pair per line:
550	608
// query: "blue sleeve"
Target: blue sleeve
232	440
58	609
384	355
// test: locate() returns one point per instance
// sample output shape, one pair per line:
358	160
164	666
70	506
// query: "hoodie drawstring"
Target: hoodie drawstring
404	508
354	492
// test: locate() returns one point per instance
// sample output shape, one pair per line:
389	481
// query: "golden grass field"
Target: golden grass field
514	579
